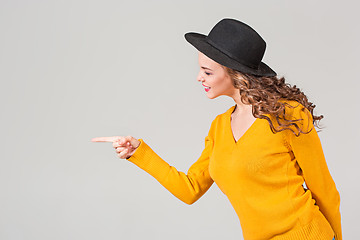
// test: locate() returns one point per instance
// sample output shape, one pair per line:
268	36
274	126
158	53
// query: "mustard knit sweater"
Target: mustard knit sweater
262	174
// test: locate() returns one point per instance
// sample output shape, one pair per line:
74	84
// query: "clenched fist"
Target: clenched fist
124	146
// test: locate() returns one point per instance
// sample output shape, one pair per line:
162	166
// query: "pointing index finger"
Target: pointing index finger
105	139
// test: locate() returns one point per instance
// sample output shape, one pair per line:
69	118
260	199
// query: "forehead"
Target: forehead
206	62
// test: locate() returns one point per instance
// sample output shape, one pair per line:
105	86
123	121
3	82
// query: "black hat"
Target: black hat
235	45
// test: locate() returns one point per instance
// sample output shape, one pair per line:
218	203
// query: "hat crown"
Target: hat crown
235	45
239	41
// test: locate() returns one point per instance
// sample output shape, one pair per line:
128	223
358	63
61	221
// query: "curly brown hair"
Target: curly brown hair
265	95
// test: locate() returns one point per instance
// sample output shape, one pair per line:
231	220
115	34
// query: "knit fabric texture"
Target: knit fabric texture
262	174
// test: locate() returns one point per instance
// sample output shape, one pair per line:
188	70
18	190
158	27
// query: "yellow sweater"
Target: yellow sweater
262	174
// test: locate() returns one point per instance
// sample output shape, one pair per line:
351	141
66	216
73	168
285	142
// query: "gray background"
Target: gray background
74	70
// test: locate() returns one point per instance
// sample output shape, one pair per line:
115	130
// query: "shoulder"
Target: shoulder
225	114
222	119
297	112
291	104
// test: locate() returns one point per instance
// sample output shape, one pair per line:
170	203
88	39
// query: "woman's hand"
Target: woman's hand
124	146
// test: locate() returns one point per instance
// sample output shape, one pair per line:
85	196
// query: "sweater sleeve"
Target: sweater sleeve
186	187
309	154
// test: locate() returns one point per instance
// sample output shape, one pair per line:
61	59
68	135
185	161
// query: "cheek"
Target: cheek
220	83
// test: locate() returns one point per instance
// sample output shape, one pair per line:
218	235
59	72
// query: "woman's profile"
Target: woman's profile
260	151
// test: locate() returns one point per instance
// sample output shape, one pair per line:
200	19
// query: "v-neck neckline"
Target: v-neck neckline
231	110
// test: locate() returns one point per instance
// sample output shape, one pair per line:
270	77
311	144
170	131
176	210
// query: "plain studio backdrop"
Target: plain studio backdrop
74	70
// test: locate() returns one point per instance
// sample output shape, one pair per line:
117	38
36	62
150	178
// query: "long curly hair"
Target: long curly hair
264	93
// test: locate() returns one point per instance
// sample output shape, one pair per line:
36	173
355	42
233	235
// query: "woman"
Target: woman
260	152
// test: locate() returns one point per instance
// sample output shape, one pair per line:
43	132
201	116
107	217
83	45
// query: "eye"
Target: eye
207	73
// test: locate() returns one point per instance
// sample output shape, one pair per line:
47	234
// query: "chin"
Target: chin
212	96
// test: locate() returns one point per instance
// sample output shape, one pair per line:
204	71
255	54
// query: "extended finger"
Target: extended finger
106	139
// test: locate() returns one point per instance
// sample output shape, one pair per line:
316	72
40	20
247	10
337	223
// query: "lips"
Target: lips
206	88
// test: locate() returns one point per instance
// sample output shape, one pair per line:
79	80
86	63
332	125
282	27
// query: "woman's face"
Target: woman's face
214	78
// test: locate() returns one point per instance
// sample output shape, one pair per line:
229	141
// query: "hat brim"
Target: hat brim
199	42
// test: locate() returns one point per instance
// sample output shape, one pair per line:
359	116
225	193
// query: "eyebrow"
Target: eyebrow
206	68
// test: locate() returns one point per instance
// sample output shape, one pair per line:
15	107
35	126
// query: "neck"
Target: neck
242	108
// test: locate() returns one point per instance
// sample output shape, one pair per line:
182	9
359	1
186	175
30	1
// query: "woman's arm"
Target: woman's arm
310	157
186	187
